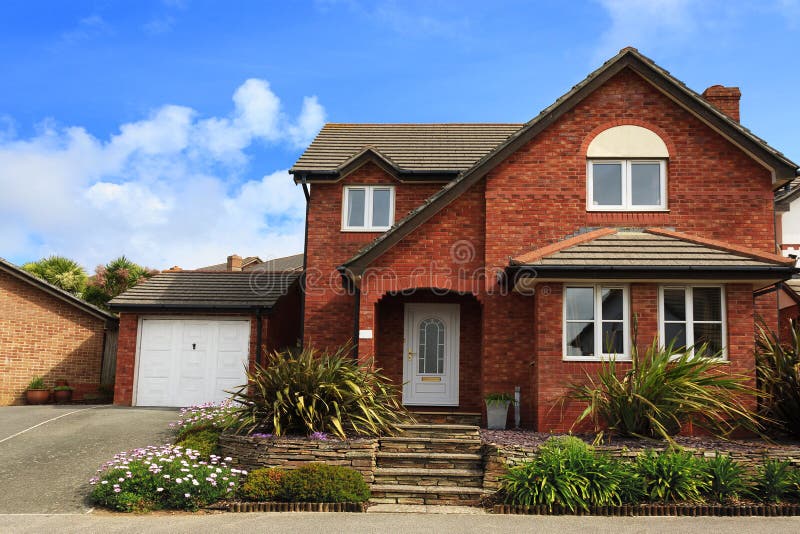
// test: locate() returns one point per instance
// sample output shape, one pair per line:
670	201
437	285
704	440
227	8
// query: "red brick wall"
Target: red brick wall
282	329
328	310
126	347
41	335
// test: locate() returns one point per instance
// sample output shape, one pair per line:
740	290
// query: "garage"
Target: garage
184	362
187	337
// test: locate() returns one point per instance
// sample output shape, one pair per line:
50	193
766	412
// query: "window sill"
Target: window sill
627	210
595	359
365	230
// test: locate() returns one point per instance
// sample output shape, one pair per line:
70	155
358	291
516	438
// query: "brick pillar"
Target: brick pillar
367	321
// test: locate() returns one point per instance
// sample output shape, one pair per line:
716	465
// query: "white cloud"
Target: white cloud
165	190
646	24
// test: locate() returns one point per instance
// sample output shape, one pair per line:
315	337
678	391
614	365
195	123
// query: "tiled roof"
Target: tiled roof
208	290
57	292
648	248
430	147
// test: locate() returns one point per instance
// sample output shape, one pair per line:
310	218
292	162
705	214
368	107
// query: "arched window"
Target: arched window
627	170
431	346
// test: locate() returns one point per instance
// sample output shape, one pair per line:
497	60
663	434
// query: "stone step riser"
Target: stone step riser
465	448
469	435
382	497
429	463
421	480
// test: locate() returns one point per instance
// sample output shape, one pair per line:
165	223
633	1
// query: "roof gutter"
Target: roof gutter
123	307
518	272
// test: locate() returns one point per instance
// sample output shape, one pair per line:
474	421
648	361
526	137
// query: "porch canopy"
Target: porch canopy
648	254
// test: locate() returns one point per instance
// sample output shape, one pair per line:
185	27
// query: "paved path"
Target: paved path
48	453
317	523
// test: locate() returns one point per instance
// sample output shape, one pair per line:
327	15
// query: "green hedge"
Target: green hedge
314	482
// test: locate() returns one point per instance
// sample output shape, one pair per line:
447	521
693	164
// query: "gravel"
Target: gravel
530	439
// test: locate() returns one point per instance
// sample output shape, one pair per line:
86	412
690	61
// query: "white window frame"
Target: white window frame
368	206
598	324
627	204
689	303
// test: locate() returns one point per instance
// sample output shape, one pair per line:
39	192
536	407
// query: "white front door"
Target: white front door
430	355
185	362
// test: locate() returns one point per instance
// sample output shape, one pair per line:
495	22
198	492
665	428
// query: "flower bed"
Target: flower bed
166	477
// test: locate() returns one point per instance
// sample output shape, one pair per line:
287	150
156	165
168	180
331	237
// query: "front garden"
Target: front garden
308	427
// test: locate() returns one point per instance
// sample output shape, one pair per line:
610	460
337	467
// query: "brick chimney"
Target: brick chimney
234	263
725	99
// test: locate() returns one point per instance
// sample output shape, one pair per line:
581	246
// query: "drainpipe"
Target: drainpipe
305	263
259	326
356	319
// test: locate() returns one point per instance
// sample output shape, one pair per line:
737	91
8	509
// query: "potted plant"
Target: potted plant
36	392
62	394
497	410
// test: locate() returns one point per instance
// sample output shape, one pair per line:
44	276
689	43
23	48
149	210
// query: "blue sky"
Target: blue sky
163	129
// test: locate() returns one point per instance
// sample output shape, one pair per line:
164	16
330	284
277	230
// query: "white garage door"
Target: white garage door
184	362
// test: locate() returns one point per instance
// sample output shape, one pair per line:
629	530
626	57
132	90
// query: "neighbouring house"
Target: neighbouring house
787	221
254	263
468	259
187	337
48	332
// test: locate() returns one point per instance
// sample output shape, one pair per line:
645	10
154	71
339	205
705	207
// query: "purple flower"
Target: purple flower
320	436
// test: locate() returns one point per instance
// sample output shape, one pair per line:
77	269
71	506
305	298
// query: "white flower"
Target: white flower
104	482
159	489
187	495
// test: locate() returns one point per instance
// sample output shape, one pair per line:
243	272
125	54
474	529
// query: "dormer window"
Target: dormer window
367	208
627	170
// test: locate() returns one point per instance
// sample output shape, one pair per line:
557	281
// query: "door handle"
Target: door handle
410	354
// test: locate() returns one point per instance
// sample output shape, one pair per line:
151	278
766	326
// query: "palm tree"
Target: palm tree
61	272
116	277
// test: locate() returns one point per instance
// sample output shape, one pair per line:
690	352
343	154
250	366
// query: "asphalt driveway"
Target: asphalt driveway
48	453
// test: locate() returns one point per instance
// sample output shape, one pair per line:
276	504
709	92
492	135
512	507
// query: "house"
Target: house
253	263
48	332
787	223
468	259
188	337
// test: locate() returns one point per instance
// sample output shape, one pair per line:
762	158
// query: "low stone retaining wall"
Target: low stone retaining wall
497	458
296	507
289	453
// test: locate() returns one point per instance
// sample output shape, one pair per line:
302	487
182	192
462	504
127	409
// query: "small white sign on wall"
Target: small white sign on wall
365	334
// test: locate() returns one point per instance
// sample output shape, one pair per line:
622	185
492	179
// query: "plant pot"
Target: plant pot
61	396
37	396
497	414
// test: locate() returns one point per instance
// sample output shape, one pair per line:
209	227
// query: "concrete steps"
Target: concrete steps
430	464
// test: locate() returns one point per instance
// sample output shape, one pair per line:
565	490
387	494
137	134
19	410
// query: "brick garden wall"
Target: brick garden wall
41	335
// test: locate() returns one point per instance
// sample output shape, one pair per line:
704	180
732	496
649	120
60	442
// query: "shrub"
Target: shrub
778	371
210	415
317	482
727	478
774	480
567	472
263	484
302	393
204	441
661	392
169	477
672	476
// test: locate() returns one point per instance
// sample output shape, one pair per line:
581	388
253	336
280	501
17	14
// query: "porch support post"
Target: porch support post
367	328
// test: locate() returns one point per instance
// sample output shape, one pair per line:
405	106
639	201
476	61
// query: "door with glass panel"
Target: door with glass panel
430	355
